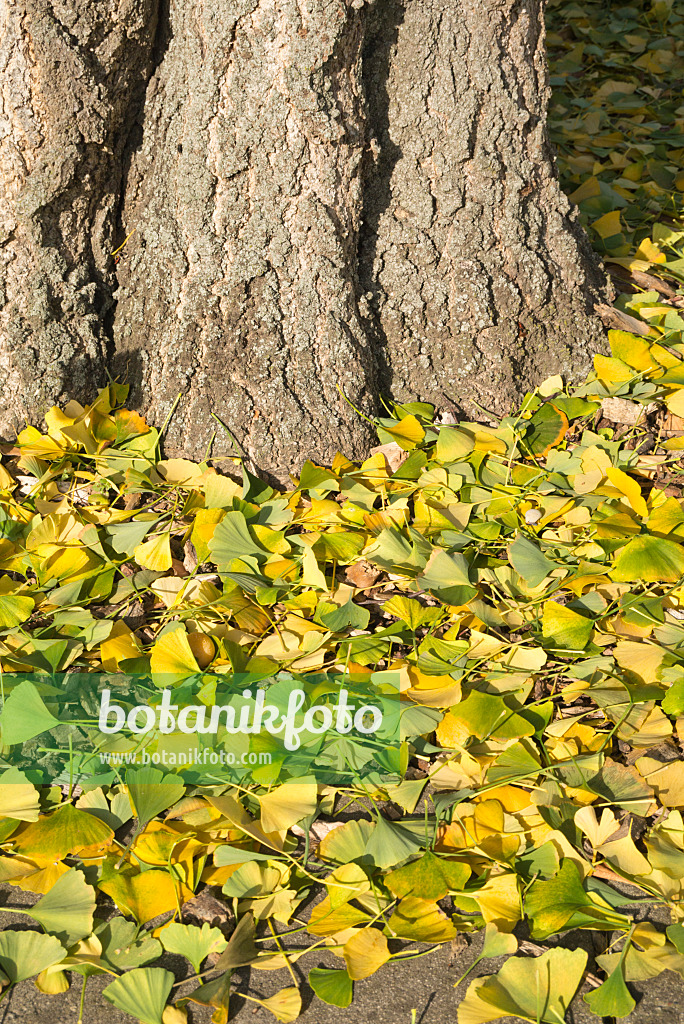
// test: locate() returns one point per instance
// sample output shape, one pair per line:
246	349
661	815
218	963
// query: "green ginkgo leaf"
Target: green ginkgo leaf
447	576
25	954
152	792
537	989
346	616
332	986
529	562
612	998
67	909
24	715
650	560
142	993
123	945
227	854
565	628
390	844
15	609
556	904
194	943
232	539
429	877
546	429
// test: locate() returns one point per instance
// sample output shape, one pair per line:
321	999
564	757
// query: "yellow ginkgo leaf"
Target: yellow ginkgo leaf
589	189
666	779
407	433
155	553
421	921
39	882
172	659
287	804
146	895
174	1015
612	371
650	252
608	225
64	831
178	471
632	350
7	481
499	901
285	1005
18	797
624	854
550	386
432	691
639	659
121	645
675	402
365	952
32	442
630	488
597	832
311	574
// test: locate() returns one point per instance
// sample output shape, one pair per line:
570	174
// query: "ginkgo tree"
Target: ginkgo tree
245	211
521	578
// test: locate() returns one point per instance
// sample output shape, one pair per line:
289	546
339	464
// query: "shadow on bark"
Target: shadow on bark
382	33
129	370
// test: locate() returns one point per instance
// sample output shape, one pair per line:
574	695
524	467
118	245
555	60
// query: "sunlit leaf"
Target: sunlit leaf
286	805
365	952
649	559
18	797
559	903
64	831
565	627
612	998
142	993
151	791
332	985
285	1005
24	954
155	553
172	659
67	909
529	562
546	429
192	942
429	877
535	989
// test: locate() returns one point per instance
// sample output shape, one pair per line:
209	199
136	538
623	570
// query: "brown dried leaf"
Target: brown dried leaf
362	574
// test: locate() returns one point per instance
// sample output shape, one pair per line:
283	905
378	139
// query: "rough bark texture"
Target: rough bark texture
325	195
72	73
482	278
247	196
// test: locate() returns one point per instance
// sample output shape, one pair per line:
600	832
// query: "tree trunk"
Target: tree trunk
73	78
325	197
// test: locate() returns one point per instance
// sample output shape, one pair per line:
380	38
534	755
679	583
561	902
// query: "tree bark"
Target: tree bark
73	75
327	199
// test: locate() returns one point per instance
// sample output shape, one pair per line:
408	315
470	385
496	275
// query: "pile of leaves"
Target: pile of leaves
523	578
617	121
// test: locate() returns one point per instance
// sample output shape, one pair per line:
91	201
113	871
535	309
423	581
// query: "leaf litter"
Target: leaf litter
525	579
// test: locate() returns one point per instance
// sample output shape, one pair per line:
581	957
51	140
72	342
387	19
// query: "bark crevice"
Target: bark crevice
70	71
132	133
327	198
380	158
